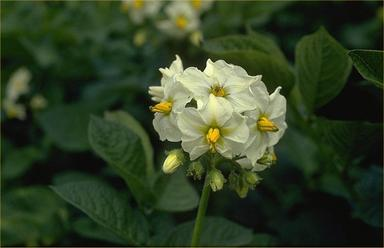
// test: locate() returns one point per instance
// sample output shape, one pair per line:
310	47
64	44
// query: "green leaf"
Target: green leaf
131	123
67	125
17	162
123	151
369	63
72	176
348	139
107	207
216	231
263	239
86	227
258	54
32	216
369	188
322	66
177	194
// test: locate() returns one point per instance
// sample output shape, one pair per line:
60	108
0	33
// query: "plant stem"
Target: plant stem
201	212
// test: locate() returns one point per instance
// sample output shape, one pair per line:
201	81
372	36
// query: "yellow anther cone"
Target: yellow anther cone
266	125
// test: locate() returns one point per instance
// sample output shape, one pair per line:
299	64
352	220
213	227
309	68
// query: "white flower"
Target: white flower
267	160
201	5
139	10
14	110
176	67
215	128
226	81
18	84
38	102
176	96
182	19
266	123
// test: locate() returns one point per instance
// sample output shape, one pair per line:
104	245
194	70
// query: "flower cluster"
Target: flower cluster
221	111
181	18
17	86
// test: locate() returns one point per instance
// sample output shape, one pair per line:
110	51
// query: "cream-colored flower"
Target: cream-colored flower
139	10
38	102
215	128
182	19
14	110
176	67
176	96
201	5
18	84
226	81
266	123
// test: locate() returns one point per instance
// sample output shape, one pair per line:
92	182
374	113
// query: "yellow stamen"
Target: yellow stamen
138	4
181	22
217	90
196	4
212	137
266	125
163	107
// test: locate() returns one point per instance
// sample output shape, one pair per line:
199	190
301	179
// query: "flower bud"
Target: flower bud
217	180
251	178
139	38
196	170
174	159
196	38
38	102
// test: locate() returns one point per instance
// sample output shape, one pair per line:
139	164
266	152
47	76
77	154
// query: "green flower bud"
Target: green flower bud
251	178
217	180
174	159
196	170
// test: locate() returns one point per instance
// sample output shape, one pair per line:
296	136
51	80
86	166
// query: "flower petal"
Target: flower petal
165	126
217	111
191	124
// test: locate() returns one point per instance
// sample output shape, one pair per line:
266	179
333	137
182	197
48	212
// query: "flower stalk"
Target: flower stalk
201	212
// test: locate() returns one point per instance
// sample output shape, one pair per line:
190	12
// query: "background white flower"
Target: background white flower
139	10
14	110
182	19
266	123
214	128
18	84
201	5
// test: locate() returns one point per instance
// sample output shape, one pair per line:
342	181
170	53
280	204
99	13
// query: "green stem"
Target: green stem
201	212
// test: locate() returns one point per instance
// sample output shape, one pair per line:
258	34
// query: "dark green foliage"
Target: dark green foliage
86	170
